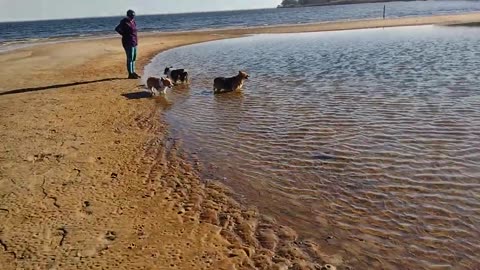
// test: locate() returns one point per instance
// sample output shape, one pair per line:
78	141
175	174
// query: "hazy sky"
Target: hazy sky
15	10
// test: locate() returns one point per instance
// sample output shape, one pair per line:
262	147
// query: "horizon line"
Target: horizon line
142	15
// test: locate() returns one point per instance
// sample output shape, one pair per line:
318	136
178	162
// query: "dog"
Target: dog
229	84
158	85
176	74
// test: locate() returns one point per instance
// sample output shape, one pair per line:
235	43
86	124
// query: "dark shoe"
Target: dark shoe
133	76
138	76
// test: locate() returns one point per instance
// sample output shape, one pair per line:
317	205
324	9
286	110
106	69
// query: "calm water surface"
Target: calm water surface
20	32
369	136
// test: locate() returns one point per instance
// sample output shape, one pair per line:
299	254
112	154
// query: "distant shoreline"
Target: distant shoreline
466	19
345	2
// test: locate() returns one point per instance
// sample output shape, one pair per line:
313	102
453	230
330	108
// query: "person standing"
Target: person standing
128	30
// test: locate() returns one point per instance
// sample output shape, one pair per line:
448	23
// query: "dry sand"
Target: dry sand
89	177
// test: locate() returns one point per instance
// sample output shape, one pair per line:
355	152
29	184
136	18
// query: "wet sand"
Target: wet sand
89	177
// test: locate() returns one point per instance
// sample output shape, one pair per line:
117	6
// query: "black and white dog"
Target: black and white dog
176	74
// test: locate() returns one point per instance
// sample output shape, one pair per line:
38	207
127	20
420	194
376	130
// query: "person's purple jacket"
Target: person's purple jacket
128	29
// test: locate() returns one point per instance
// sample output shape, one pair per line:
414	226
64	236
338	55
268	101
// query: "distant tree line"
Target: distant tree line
302	2
286	3
293	3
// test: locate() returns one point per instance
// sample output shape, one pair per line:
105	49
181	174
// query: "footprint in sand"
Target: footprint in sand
328	267
111	236
100	245
45	157
86	209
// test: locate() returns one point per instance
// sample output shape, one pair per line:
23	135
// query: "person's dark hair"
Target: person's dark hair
130	13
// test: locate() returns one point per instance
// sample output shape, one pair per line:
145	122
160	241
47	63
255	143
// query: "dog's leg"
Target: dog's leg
154	91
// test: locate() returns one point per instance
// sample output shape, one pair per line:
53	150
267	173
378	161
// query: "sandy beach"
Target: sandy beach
90	178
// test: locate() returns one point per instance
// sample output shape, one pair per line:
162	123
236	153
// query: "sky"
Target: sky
20	10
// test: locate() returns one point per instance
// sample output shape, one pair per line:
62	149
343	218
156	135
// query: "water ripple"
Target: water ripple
372	136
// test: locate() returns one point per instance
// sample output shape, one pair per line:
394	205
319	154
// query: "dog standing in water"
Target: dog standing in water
158	85
176	74
229	84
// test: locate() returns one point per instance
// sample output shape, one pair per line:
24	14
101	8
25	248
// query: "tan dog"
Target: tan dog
158	85
229	84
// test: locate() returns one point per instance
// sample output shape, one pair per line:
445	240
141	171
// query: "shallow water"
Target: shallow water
366	140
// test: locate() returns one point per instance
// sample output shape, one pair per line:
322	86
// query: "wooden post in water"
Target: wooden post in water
384	9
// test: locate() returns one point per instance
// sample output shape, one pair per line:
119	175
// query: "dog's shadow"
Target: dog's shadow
161	100
137	95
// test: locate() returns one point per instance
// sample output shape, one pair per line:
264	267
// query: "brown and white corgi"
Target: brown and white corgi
158	85
222	84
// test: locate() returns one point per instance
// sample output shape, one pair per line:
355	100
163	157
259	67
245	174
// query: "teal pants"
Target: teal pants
131	58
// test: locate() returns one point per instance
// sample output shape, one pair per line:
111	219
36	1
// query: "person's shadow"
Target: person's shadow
41	88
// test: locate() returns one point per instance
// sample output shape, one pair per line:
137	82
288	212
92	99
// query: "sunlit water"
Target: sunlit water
369	136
